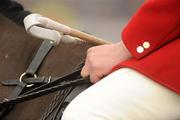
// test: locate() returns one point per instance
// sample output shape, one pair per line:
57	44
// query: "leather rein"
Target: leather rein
30	86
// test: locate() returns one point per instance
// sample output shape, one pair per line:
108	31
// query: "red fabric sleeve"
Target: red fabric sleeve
156	22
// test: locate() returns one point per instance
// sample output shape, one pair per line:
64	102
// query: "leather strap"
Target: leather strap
54	82
38	80
38	59
16	92
71	79
42	92
46	84
31	70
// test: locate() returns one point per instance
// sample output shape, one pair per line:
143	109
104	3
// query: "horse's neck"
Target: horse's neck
16	49
16	52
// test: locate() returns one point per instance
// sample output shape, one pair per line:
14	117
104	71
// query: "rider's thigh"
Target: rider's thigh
125	95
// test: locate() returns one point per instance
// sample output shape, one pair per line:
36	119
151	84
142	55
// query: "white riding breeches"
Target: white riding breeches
125	95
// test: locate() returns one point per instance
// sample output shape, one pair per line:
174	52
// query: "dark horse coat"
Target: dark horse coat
17	49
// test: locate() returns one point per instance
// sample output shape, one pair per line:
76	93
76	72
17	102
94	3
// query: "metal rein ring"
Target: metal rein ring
23	76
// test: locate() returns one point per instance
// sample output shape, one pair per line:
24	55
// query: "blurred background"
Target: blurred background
102	18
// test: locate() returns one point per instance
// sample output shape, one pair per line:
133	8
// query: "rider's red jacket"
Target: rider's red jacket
153	38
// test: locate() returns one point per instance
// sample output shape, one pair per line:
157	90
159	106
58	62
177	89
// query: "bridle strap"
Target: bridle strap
39	57
38	80
30	72
45	86
61	83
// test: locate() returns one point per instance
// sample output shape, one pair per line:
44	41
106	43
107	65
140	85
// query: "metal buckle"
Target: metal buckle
49	79
24	75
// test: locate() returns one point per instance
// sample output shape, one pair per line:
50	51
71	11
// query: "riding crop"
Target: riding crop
46	28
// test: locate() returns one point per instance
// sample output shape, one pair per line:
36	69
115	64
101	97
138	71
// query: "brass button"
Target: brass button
146	45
